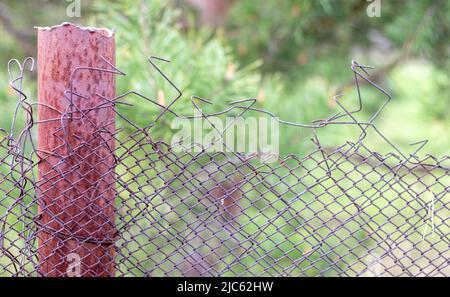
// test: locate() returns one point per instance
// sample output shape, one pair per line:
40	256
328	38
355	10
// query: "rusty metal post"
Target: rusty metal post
76	189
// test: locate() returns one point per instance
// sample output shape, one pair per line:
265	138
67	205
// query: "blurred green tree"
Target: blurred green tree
293	56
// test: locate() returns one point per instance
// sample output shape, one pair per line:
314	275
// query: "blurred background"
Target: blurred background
292	55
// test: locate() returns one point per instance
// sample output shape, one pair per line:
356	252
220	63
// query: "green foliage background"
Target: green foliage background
292	56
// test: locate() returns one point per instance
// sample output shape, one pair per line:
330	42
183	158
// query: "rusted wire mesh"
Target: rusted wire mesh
347	211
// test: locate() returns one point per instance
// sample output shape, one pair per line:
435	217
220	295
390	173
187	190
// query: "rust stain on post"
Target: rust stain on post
76	188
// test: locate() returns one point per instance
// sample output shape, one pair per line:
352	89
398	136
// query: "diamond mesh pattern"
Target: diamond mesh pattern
349	211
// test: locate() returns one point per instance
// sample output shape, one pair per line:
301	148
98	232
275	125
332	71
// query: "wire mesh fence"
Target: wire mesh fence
346	211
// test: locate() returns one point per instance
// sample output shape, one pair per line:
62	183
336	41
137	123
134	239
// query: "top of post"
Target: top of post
103	31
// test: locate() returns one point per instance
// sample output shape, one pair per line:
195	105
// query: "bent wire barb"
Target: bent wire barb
198	206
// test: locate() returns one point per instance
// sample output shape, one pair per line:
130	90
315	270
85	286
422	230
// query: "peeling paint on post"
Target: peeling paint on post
76	189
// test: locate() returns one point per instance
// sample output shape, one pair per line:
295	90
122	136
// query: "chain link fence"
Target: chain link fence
345	211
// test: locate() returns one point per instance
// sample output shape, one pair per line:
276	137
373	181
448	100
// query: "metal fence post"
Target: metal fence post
76	188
